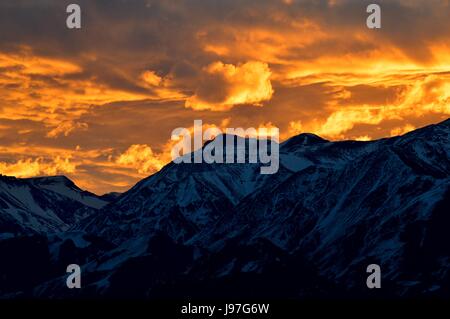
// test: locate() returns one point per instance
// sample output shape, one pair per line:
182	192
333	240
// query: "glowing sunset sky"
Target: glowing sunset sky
99	104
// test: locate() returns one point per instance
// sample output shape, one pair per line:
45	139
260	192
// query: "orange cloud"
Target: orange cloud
66	128
248	83
422	94
402	130
162	87
151	78
273	45
30	64
43	89
295	128
34	167
364	138
142	158
310	69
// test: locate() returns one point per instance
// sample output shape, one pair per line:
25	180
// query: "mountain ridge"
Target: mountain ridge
334	206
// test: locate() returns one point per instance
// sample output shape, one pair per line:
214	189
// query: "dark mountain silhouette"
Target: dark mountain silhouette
225	230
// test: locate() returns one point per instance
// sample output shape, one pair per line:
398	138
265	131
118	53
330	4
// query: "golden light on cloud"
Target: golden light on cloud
363	138
30	64
35	167
274	46
65	128
421	94
247	83
151	78
42	89
142	158
341	121
108	103
402	130
295	128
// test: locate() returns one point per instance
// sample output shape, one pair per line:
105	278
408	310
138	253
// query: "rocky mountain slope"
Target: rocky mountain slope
42	205
309	230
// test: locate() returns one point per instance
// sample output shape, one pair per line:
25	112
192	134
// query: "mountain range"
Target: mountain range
225	230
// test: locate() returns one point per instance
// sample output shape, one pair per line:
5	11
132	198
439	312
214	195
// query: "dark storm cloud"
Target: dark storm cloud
162	35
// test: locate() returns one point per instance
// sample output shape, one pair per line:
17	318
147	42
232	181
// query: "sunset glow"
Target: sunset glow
99	104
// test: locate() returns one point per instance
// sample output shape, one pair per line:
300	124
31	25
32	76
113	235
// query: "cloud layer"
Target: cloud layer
99	104
223	86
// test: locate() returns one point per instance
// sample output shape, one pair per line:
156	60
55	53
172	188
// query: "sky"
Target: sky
98	104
